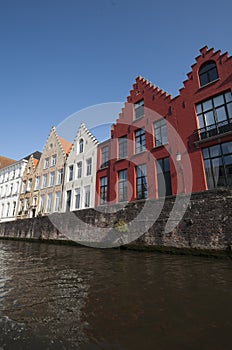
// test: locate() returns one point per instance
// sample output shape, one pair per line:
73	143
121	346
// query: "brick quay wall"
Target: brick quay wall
205	228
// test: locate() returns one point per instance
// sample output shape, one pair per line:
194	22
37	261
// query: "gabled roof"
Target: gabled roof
36	155
66	145
4	161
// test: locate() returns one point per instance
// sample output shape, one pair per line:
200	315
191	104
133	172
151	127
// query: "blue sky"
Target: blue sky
60	56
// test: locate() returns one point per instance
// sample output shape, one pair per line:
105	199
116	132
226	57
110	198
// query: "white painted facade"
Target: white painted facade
80	172
10	184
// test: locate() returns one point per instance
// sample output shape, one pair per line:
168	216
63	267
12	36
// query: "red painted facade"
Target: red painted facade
184	147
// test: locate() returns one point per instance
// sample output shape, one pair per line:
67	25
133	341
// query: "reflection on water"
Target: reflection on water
61	297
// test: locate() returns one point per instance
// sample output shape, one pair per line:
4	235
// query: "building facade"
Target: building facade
10	183
49	174
80	172
161	145
26	207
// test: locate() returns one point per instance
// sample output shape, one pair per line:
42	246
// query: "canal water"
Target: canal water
67	297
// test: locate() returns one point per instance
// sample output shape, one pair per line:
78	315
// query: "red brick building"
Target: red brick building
161	145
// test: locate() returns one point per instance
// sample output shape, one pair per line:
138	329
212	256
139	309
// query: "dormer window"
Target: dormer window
81	145
208	73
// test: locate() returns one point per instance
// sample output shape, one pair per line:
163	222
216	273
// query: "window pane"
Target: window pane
218	101
228	96
209	118
228	159
229	107
213	74
201	121
227	147
198	108
221	114
215	151
207	105
205	152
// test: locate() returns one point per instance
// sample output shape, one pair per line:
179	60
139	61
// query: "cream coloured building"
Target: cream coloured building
48	183
80	172
10	183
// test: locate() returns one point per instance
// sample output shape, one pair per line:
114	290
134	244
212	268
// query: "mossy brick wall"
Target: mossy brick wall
206	224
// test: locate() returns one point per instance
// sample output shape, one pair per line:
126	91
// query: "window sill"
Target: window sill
139	153
121	159
159	146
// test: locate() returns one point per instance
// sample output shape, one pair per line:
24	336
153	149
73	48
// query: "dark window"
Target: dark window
122	185
141	182
79	170
105	157
161	133
71	173
77	198
164	177
208	73
103	190
81	145
218	165
122	144
214	115
140	141
139	109
68	200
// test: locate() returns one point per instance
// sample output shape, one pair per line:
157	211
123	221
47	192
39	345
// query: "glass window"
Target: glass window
70	173
208	73
218	165
37	182
103	189
81	146
139	109
141	182
105	157
122	145
122	185
87	196
89	166
49	202
42	200
79	170
53	162
161	133
77	198
140	141
60	177
45	177
214	116
46	163
52	178
57	201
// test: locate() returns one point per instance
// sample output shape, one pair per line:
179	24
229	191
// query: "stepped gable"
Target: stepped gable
143	87
84	130
4	161
64	144
205	55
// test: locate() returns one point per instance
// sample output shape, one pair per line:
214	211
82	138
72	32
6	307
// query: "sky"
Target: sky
61	56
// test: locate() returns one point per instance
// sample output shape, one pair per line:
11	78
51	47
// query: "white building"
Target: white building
10	183
80	172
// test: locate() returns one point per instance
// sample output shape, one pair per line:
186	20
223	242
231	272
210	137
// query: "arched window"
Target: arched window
81	145
208	73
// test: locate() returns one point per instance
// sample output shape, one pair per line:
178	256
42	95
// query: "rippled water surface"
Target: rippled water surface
63	297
